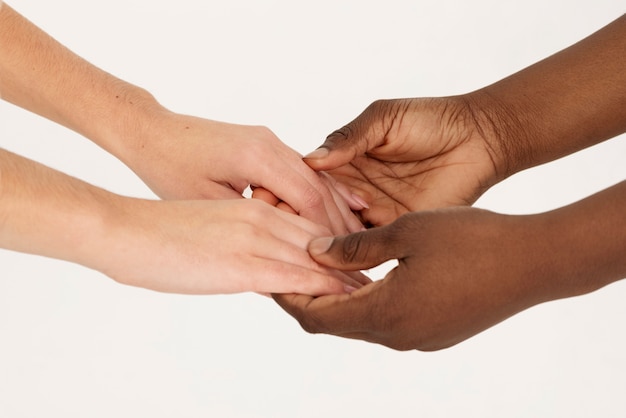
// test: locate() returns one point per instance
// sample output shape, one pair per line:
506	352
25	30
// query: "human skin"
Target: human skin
177	156
183	246
461	269
422	153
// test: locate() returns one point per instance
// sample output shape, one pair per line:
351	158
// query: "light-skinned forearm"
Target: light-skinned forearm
48	213
39	74
181	246
569	101
178	156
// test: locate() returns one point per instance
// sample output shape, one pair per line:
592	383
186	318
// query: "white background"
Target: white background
75	344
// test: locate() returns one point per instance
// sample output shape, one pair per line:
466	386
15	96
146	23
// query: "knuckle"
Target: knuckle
354	249
311	324
382	110
250	214
415	339
245	229
264	133
258	213
387	111
403	231
258	148
398	345
397	328
341	134
378	108
430	343
378	105
312	198
261	142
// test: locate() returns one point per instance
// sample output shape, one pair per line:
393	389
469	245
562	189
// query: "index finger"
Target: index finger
302	189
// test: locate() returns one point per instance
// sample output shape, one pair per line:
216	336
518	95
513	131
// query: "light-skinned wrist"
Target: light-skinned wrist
126	112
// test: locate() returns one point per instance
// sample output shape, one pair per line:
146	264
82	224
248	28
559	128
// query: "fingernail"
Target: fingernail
360	200
349	289
317	154
320	245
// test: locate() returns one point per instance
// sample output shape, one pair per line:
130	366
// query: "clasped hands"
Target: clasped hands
418	164
398	166
409	169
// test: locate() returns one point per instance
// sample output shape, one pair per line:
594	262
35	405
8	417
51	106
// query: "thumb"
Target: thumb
359	251
356	138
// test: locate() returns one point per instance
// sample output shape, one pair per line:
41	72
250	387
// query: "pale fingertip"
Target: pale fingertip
358	199
360	277
353	203
349	289
265	196
355	226
286	208
347	195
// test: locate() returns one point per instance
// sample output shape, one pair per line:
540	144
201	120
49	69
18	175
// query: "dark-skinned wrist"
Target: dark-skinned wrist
505	129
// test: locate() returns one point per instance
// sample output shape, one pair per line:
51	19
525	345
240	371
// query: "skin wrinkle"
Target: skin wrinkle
510	133
386	160
447	121
403	180
344	132
490	147
394	113
381	189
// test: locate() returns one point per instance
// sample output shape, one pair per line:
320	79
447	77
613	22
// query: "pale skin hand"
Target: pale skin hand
191	247
462	270
177	156
339	192
182	157
225	246
415	154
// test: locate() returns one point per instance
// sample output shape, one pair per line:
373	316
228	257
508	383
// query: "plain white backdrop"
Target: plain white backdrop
75	344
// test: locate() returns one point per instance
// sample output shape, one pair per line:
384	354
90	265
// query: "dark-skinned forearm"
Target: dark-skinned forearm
586	242
569	101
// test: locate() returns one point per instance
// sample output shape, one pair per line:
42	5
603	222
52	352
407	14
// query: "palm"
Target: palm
421	163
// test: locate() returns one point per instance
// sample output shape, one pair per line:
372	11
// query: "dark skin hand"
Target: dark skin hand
406	155
410	154
462	270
